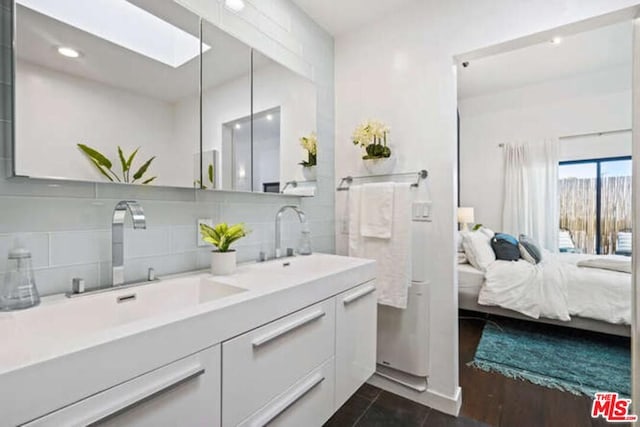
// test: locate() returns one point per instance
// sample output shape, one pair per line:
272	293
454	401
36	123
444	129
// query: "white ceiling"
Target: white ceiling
338	16
586	52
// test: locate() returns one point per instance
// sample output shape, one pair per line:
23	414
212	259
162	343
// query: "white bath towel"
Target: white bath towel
393	255
376	210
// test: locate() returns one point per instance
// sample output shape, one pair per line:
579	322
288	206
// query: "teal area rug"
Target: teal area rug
561	358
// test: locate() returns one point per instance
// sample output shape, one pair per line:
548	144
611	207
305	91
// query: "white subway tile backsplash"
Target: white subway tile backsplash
37	243
6	97
58	280
5	149
6	19
30	214
276	13
184	238
147	243
136	269
5	66
80	247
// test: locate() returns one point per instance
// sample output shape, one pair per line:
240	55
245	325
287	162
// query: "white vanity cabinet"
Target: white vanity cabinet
300	369
287	354
183	393
356	336
262	364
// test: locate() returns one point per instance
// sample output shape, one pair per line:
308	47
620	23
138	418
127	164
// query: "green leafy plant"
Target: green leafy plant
105	166
372	136
222	235
200	185
310	144
477	227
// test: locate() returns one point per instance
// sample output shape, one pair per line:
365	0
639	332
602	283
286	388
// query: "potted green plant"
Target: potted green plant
309	166
372	136
223	260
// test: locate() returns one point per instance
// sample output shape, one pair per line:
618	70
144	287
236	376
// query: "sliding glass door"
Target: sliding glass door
595	206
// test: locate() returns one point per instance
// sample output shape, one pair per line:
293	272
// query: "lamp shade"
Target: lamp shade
465	215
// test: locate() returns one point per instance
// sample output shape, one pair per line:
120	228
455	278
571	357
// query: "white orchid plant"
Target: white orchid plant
310	144
372	136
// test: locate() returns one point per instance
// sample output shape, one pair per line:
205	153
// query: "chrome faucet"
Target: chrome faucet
117	235
303	222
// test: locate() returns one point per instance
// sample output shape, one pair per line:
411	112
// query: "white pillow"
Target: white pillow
487	231
462	258
477	247
459	241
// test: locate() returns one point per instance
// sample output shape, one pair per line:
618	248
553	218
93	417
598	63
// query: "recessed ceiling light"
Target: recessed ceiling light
235	5
126	25
556	40
269	117
238	126
69	52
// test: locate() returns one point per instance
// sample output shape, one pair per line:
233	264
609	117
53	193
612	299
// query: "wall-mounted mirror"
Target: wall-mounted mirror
95	76
110	91
284	112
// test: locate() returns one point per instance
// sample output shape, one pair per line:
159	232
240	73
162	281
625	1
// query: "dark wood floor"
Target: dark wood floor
488	399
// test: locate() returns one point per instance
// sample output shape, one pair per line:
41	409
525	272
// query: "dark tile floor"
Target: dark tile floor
372	407
489	399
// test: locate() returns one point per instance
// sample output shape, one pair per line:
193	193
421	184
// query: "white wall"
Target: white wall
399	69
582	104
56	111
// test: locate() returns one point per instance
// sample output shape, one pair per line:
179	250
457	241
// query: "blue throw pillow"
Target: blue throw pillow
505	247
529	249
508	237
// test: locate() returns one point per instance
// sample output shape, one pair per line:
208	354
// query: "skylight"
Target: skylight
125	25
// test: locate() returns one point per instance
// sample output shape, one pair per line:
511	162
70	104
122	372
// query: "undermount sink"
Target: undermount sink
54	321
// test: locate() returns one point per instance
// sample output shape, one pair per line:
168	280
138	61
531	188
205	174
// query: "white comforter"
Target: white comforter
558	289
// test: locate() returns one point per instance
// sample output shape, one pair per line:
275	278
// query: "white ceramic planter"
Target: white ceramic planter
223	263
382	166
310	173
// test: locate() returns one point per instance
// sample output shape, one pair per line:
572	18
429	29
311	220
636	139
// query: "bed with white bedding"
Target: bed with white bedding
556	291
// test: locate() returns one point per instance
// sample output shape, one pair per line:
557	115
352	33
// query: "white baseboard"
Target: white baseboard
431	398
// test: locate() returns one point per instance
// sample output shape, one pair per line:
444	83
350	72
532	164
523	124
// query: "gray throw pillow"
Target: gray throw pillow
529	249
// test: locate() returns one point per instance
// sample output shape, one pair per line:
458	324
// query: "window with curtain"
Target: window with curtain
595	206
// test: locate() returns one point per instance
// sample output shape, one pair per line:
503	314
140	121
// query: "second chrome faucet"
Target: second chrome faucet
305	241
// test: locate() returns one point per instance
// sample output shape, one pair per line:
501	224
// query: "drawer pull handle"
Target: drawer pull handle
358	294
284	329
112	409
289	400
146	394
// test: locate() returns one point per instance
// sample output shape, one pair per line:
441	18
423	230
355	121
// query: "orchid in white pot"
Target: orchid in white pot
372	136
309	166
223	260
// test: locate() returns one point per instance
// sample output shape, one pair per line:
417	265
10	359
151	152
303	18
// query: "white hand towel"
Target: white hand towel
376	210
393	255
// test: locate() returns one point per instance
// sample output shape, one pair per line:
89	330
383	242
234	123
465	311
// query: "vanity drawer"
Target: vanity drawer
308	402
263	363
185	392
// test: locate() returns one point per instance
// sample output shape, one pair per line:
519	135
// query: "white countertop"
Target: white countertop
271	290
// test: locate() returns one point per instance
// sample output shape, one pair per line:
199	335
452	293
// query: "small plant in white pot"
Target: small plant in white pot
223	260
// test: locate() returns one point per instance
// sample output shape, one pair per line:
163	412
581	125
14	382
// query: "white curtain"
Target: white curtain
531	191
